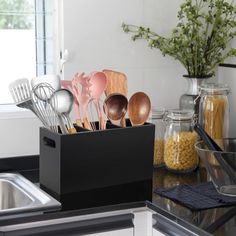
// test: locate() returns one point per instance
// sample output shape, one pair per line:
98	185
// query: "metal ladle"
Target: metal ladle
115	107
139	108
62	102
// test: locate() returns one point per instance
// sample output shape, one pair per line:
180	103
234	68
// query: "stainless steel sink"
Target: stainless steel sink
19	195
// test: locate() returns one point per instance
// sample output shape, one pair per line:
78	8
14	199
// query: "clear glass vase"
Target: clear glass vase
190	99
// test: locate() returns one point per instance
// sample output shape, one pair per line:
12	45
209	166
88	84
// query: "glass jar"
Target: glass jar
158	121
214	110
214	113
179	152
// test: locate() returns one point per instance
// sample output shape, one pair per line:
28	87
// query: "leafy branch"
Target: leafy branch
200	39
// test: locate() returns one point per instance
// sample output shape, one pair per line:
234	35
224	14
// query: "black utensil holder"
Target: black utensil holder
90	160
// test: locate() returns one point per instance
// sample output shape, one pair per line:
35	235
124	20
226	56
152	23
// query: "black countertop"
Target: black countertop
219	221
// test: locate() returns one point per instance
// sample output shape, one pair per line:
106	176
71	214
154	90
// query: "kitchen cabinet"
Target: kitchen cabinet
160	216
143	223
138	221
157	233
123	232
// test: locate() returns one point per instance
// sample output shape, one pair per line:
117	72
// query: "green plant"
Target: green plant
200	39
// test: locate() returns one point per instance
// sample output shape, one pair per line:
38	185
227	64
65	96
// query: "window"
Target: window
27	41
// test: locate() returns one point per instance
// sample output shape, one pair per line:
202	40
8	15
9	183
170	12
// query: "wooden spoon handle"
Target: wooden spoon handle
102	123
123	122
79	122
77	115
87	124
72	130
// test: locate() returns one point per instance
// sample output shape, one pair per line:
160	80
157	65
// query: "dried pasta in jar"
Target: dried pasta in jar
158	152
179	152
157	120
214	112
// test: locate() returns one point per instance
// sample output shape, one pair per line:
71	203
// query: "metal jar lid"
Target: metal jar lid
180	115
158	113
214	88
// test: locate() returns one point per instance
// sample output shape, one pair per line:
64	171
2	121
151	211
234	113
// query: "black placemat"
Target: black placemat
196	197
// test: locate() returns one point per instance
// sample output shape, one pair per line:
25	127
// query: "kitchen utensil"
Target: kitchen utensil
93	115
222	175
98	83
80	85
43	109
139	108
67	84
52	79
43	92
217	152
115	107
116	83
21	93
25	98
62	102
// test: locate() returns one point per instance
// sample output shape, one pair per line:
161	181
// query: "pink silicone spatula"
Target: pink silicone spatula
81	83
98	84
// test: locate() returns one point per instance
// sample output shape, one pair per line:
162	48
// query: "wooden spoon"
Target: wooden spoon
116	83
139	108
115	107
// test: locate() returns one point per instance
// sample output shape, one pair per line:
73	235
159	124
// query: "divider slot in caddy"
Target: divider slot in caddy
89	160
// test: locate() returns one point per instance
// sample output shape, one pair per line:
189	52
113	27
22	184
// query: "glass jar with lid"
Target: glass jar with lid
158	120
214	110
179	152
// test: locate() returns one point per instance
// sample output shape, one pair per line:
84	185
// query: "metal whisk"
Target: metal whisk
41	94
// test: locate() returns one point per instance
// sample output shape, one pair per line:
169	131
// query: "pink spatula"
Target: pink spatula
80	83
98	84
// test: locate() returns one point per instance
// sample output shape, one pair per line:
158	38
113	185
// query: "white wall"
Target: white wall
24	66
228	76
98	42
19	136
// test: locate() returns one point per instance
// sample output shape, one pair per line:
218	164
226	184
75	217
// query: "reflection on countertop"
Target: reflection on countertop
140	191
218	221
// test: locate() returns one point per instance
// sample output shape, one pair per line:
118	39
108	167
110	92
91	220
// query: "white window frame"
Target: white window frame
11	111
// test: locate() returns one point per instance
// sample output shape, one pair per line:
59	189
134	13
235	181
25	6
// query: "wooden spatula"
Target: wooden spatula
116	83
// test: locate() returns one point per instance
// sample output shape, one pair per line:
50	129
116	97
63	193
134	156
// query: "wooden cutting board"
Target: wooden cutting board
116	82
